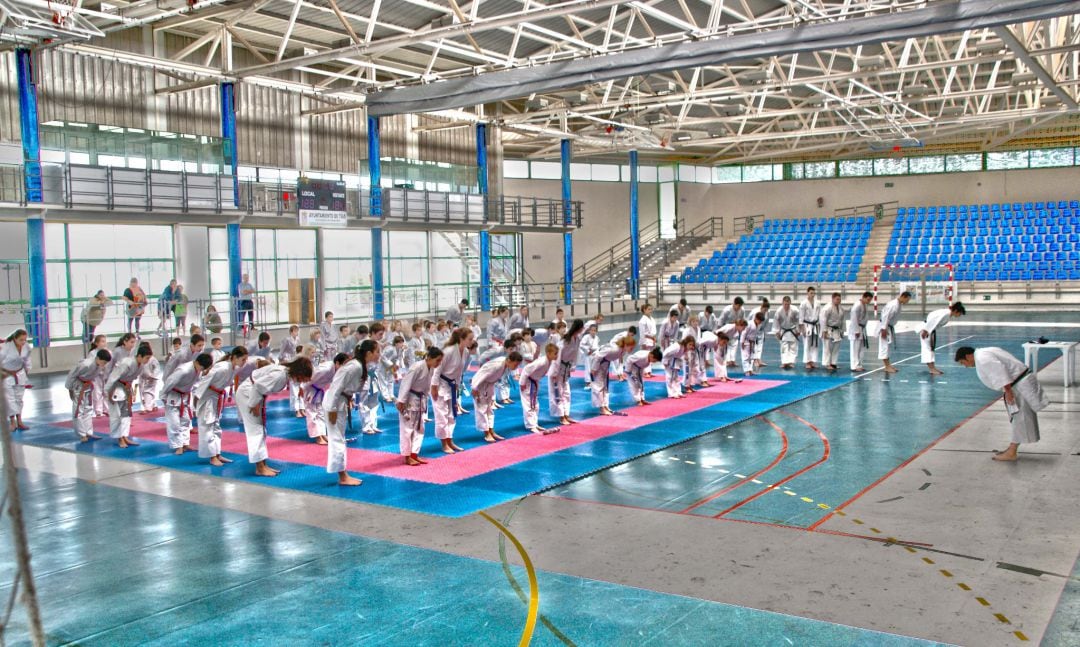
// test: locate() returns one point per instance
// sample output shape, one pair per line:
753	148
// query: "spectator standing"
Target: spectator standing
136	302
93	314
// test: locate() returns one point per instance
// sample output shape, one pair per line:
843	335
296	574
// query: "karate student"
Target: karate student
352	378
368	394
890	314
15	364
98	393
683	311
261	347
709	321
810	328
858	340
787	332
749	343
559	398
669	330
728	316
496	327
315	396
119	393
673	356
251	404
455	313
416	345
80	386
502	390
216	350
636	363
531	375
286	353
445	382
328	331
590	343
559	319
527	347
483	392
177	397
389	363
832	321
936	320
613	353
412	405
714	343
210	392
317	347
762	333
647	331
149	381
185	354
734	331
520	320
1021	390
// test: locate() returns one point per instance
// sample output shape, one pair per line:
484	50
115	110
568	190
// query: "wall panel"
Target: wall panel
9	99
265	126
338	141
91	90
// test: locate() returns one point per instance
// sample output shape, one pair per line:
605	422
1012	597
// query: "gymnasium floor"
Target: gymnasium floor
752	534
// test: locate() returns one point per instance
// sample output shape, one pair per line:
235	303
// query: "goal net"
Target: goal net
931	285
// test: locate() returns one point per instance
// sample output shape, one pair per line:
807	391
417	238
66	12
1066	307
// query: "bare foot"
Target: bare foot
890	369
299	414
127	442
447	450
497	436
223	459
345	479
320	440
489	438
937	372
456	448
607	412
571	421
641	404
421	460
1005	457
263	470
216	462
85	439
858	369
178	451
409	460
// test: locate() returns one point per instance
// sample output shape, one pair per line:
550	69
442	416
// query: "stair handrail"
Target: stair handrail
619	250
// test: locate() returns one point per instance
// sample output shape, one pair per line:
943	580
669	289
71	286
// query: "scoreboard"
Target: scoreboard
321	203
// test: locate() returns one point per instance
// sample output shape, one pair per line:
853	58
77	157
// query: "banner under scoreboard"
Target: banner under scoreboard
321	203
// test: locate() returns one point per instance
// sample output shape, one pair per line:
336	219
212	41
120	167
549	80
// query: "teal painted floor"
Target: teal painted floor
115	567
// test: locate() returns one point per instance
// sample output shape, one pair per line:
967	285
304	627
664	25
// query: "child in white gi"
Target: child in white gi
483	392
613	353
412	405
251	404
210	391
531	375
673	357
636	364
119	391
80	386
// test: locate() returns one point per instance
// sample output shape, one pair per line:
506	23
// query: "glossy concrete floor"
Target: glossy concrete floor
990	557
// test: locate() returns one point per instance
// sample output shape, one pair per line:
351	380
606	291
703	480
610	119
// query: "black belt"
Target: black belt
814	335
865	341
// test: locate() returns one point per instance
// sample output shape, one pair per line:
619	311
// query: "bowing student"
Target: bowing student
412	405
177	397
80	386
483	392
858	340
890	314
251	397
531	375
119	391
674	356
210	392
352	378
636	364
445	384
613	353
927	330
559	394
315	396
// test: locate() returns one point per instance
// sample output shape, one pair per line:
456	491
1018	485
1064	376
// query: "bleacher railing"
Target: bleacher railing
117	189
619	253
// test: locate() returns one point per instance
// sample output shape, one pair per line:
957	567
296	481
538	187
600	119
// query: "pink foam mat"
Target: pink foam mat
479	460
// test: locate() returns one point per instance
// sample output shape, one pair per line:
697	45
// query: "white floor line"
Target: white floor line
1012	324
906	359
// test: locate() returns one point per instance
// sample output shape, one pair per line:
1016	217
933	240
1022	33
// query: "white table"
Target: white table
1066	348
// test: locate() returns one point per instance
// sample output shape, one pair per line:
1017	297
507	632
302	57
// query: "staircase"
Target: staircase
876	248
655	254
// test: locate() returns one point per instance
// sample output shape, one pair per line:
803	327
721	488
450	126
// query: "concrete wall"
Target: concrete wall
606	213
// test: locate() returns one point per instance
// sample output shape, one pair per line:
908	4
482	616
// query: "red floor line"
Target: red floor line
900	466
824	457
779	457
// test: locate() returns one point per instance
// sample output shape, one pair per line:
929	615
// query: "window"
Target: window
760	173
856	168
687	173
727	174
605	173
645	174
931	164
1051	157
516	169
815	170
546	171
968	162
1007	160
890	166
578	171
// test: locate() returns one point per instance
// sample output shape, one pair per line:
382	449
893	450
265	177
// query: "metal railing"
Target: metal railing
147	190
650	244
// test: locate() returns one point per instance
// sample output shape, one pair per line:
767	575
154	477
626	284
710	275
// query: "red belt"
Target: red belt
220	399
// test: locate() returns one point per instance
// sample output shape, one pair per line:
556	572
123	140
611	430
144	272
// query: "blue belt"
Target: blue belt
453	394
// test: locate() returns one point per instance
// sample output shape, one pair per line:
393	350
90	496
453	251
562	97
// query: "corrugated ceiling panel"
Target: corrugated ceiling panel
91	90
9	99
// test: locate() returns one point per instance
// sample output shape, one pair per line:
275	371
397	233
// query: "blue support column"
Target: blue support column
635	260
28	122
228	135
568	219
236	272
485	236
378	297
37	320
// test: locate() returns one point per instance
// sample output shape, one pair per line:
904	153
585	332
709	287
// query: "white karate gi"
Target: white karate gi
711	344
559	398
998	369
590	343
210	391
252	392
16	367
635	367
531	375
413	393
101	407
749	346
787	327
314	397
669	333
330	335
646	329
483	383
149	381
890	314
177	397
810	319
858	341
832	320
496	331
185	355
118	391
347	381
518	322
447	376
617	367
936	320
80	384
762	334
673	356
287	353
602	361
728	316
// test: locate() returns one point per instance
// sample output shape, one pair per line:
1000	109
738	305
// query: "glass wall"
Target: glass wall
84	258
271	257
102	145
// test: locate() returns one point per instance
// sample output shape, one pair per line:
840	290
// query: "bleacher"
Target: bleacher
799	250
1033	241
